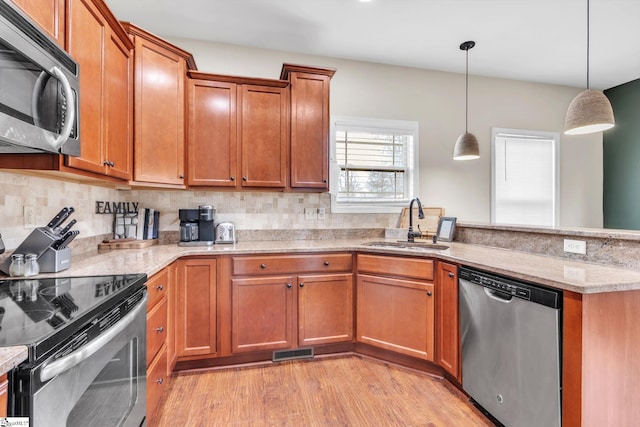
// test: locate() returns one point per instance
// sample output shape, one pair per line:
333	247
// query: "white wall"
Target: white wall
436	101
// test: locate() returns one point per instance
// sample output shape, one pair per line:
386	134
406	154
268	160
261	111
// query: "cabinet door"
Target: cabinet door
309	131
263	313
118	109
172	295
212	156
396	315
86	42
196	320
448	336
325	309
159	114
49	14
264	136
4	395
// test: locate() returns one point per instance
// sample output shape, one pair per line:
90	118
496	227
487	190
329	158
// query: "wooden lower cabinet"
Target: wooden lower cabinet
172	355
263	313
447	319
196	323
325	309
4	394
396	314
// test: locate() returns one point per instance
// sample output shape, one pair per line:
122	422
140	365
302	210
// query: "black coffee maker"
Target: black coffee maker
196	226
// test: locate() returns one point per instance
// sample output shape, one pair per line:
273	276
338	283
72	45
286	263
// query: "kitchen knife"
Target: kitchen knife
60	217
64	240
68	227
68	238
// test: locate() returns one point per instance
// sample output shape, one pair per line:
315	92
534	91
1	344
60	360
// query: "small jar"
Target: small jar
16	269
31	267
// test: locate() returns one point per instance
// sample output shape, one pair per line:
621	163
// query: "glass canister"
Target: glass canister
16	269
31	266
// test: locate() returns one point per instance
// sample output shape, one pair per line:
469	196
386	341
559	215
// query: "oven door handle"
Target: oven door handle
50	370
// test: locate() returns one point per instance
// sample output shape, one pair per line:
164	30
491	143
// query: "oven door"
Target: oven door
100	384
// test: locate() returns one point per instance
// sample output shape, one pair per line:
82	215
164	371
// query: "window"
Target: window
524	177
374	164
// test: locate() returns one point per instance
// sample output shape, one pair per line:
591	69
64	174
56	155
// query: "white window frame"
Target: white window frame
412	177
555	136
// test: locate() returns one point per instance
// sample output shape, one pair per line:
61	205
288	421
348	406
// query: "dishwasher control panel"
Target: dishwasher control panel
505	285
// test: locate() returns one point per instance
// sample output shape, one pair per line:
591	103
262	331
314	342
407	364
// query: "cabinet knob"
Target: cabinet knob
325	181
108	163
302	285
232	178
326	263
289	285
429	293
160	287
159	329
181	177
160	380
263	266
451	274
244	178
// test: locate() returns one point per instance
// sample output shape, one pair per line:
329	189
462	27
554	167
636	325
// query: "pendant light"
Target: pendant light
590	111
466	147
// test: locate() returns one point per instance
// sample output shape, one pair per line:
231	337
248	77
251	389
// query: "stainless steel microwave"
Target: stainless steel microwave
39	89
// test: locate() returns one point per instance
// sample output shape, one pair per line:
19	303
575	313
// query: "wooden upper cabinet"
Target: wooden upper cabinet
49	14
309	125
103	51
159	109
212	155
264	136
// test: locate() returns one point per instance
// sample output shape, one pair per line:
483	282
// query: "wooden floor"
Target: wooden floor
336	391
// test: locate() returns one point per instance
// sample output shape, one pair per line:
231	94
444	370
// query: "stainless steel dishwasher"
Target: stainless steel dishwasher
511	348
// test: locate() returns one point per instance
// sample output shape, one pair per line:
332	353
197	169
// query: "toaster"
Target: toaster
225	233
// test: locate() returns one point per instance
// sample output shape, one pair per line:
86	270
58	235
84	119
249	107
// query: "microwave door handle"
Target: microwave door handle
71	108
42	80
50	370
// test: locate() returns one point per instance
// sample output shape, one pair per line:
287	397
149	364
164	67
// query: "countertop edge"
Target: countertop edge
10	357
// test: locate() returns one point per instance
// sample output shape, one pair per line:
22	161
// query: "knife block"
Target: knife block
54	260
38	242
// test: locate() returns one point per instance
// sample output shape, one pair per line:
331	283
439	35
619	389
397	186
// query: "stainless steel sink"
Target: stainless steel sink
407	245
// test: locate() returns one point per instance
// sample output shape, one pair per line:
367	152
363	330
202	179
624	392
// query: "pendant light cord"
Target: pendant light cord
588	44
466	97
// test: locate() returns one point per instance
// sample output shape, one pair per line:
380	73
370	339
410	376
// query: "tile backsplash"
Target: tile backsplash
248	210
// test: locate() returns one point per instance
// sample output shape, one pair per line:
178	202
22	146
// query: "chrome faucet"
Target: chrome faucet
412	234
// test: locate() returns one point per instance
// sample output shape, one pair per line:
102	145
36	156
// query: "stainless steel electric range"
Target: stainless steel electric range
87	349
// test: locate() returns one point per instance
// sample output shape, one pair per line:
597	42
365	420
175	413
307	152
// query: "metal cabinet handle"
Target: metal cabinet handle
324	181
429	293
326	263
160	287
181	176
159	329
160	380
302	285
232	178
244	178
451	274
263	266
289	285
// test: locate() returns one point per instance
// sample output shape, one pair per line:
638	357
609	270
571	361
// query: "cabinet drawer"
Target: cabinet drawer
157	287
156	383
156	329
254	265
395	266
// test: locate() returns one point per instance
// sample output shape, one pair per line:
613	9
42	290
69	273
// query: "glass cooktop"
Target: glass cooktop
44	312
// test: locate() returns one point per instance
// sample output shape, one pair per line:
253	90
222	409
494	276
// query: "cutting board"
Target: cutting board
428	225
126	244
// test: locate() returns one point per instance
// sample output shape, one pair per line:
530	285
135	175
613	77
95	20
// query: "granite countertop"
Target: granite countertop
559	273
10	357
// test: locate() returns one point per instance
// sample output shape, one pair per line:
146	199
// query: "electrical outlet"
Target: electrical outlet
29	213
310	213
320	213
575	246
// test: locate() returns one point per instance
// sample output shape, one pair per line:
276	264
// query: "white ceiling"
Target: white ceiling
531	40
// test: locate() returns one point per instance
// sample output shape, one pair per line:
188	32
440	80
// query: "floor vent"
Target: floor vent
301	353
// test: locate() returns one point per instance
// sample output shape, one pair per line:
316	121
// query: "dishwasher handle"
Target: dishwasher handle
498	296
